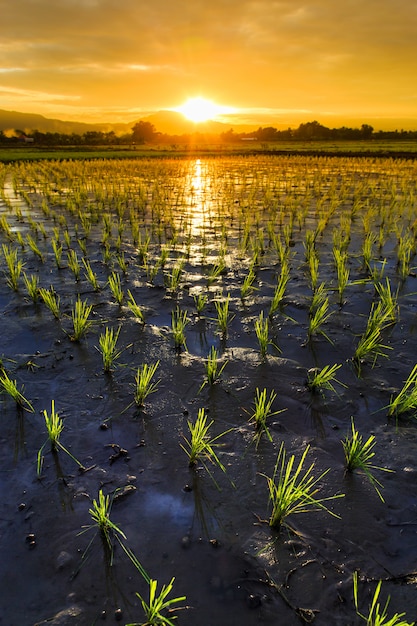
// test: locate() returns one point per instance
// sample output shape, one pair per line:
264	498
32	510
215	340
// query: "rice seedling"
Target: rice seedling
247	287
14	266
367	249
51	299
107	254
115	285
100	515
143	382
74	264
216	270
90	275
9	387
319	379
107	347
67	238
378	615
406	399
342	271
369	345
158	604
179	320
34	247
200	446
313	264
83	246
262	411
292	489
32	286
121	260
173	280
358	455
152	270
200	301
389	301
80	319
280	289
262	334
54	427
405	251
135	308
224	316
57	249
213	372
319	314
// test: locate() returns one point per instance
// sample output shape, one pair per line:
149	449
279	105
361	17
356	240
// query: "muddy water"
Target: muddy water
206	529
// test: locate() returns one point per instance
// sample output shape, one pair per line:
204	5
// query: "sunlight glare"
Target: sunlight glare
201	110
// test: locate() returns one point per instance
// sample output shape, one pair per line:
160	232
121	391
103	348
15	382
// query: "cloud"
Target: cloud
258	53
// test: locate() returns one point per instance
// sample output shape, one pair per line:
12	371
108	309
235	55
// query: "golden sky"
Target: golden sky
275	62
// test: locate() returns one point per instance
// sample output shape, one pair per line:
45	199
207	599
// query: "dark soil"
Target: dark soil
205	529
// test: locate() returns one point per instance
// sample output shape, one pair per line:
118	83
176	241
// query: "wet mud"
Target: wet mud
208	529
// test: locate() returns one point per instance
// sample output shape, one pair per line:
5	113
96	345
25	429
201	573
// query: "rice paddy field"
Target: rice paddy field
208	374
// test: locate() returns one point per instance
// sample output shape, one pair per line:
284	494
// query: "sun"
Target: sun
200	109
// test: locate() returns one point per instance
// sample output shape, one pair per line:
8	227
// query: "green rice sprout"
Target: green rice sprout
67	238
370	345
358	455
367	249
158	604
143	382
213	372
313	265
54	427
57	249
378	615
389	300
116	287
247	287
406	399
262	411
90	275
216	270
80	319
200	302
223	314
200	446
135	308
262	334
293	489
51	299
319	379
14	266
107	347
74	264
120	258
405	251
342	271
319	316
179	320
280	289
100	516
32	286
9	387
34	247
173	280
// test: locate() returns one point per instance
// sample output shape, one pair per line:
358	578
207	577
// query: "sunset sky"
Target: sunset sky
271	62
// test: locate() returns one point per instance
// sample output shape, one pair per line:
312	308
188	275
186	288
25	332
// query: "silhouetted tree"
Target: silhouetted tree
143	132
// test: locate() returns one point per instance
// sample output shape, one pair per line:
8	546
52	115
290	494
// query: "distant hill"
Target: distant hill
166	122
27	122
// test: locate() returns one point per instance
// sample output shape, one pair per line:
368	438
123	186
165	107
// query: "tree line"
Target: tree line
145	133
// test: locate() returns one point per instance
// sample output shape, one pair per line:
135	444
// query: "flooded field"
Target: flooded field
271	300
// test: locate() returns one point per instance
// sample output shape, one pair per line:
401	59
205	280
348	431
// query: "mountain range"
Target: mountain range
167	122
